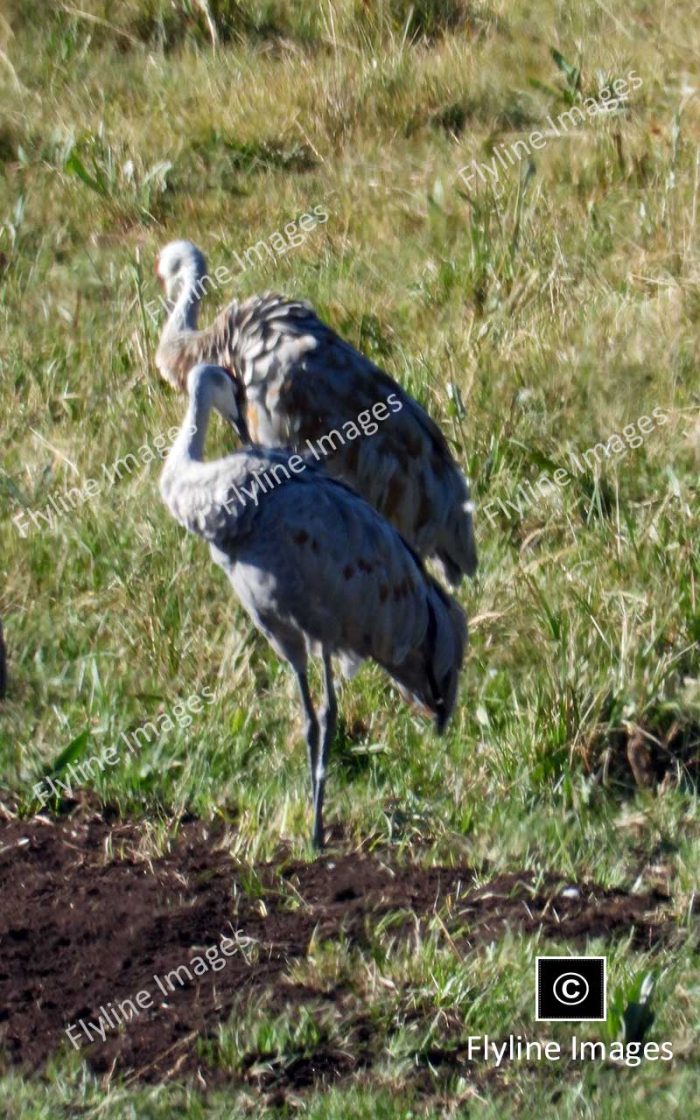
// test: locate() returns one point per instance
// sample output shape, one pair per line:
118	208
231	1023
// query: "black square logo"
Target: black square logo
570	989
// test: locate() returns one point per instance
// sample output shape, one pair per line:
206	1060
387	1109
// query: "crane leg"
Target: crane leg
328	725
310	728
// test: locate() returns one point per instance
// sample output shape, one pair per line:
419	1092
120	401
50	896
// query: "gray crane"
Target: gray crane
303	384
319	571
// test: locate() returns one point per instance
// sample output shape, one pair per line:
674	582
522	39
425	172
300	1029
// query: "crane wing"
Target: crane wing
319	557
307	387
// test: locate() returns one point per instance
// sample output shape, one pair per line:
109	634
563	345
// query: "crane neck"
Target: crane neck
189	444
179	337
185	312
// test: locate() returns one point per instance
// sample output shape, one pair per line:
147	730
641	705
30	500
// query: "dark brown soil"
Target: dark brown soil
86	922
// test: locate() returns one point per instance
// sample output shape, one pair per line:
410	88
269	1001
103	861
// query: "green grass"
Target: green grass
532	325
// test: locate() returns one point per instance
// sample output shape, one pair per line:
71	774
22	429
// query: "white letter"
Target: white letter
254	494
499	1052
470	1050
40	796
20	530
67	1031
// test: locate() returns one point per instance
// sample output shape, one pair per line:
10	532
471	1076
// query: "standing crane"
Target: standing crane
318	571
304	385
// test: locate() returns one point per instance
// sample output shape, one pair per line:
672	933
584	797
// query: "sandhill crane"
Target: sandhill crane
304	383
317	569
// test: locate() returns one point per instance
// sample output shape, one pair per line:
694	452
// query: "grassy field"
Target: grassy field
536	316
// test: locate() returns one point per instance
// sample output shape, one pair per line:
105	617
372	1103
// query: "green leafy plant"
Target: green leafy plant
570	92
572	76
629	1010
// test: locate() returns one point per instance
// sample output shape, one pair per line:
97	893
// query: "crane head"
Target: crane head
223	391
180	263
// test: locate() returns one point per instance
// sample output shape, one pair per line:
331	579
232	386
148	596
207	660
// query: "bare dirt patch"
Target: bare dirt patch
86	922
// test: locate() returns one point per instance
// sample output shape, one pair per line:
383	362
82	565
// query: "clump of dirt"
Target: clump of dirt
87	922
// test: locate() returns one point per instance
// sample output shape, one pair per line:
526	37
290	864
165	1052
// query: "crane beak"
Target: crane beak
241	428
239	422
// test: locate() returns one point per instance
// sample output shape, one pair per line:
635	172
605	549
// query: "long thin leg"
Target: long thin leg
328	724
310	728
